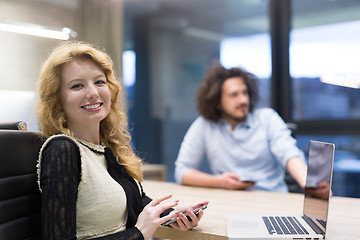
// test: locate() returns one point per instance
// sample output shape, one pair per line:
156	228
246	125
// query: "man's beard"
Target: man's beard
234	118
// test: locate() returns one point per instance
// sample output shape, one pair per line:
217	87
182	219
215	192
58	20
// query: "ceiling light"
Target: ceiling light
37	30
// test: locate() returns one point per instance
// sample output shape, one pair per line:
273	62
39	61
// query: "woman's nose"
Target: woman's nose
92	91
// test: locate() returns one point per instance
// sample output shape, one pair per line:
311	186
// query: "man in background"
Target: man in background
245	147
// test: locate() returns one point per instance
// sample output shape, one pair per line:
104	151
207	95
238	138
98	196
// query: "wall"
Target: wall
21	56
177	64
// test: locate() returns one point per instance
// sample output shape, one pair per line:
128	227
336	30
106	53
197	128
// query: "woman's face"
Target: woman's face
85	96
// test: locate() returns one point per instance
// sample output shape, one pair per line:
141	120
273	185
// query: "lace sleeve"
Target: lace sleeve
59	180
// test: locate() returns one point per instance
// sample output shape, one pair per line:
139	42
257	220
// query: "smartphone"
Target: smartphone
246	180
195	211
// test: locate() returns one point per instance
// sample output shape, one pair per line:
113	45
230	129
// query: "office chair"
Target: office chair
19	195
19	125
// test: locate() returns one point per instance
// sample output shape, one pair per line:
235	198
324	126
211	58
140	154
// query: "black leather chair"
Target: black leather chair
19	194
19	125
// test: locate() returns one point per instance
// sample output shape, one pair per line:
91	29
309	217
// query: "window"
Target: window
325	71
253	53
174	42
325	83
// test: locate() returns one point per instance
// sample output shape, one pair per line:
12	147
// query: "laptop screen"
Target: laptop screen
318	181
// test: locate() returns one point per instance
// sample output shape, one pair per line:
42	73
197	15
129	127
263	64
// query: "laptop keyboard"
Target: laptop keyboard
284	225
313	225
322	222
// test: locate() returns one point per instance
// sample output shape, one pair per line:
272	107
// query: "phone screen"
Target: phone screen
195	211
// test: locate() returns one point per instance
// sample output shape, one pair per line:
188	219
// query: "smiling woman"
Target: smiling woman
87	168
85	97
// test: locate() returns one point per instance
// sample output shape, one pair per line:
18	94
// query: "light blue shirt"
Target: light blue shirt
257	149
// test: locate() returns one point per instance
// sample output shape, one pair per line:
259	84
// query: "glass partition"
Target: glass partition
325	77
324	50
174	43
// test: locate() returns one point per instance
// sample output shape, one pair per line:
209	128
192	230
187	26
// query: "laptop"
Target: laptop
310	225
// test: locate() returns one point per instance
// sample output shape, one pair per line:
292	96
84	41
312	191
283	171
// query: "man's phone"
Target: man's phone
246	180
195	211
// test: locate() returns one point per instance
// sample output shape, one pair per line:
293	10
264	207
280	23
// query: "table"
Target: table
343	221
154	171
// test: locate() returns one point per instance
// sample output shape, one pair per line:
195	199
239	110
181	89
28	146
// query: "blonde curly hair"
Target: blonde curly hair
113	129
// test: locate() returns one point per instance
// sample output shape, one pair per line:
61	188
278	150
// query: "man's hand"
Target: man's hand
226	180
230	180
322	191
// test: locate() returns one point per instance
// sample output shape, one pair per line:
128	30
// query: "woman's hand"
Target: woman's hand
149	219
183	223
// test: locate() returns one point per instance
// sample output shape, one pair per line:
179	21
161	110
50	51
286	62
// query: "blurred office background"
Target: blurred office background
305	53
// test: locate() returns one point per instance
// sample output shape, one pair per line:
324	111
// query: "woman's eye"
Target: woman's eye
100	82
75	86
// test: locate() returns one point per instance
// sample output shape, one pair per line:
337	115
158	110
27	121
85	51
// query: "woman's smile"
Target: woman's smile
84	94
92	107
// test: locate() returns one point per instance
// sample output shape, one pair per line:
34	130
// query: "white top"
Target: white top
101	207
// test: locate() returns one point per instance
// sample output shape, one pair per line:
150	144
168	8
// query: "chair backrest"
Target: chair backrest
19	195
19	125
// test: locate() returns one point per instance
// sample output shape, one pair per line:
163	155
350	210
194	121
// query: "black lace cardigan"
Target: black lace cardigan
59	180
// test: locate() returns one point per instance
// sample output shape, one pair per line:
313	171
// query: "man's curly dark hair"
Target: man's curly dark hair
209	93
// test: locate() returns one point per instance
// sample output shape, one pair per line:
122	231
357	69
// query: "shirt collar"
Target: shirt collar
250	121
247	124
